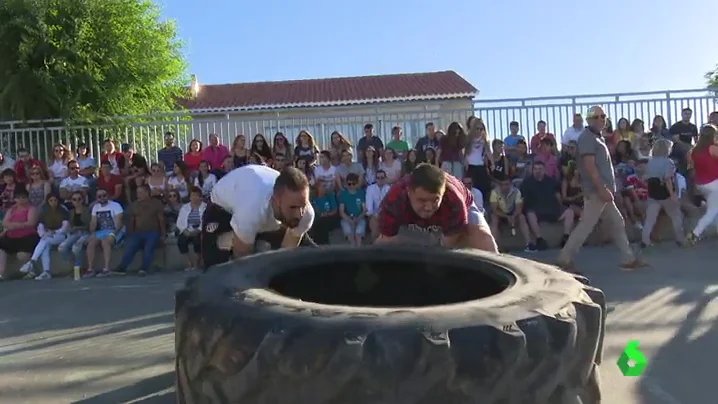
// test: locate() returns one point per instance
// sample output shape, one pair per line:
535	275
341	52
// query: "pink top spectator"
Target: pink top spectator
215	155
18	215
550	162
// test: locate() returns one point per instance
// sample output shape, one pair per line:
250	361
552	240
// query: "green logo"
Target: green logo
631	362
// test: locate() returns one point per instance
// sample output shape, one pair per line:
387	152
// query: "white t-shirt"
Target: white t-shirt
208	184
180	185
393	171
106	215
246	193
571	134
476	154
478	197
325	175
374	196
58	169
74	184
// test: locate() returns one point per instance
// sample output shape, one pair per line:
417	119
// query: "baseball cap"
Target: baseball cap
126	147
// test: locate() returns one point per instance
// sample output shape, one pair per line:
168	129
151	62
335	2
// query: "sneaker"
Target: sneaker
27	267
28	276
90	273
43	276
104	274
118	272
643	245
692	239
541	244
141	272
635	264
530	247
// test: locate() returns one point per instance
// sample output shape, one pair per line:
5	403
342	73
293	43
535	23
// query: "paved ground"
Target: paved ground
111	340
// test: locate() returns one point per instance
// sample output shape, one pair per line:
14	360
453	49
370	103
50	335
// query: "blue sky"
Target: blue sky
514	48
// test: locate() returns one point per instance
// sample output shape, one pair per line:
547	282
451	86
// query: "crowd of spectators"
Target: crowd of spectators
79	202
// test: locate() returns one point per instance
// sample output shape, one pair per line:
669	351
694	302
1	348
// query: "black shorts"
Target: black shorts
13	246
216	222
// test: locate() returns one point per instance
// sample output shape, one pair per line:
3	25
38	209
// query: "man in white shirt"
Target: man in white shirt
74	182
573	131
375	193
253	203
478	196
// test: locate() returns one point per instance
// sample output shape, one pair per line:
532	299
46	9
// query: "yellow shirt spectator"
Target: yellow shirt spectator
506	202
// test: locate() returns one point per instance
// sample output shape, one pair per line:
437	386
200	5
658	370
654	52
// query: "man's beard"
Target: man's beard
291	223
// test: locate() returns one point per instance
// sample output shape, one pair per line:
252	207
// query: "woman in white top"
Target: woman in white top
390	165
61	155
157	181
179	181
189	224
325	173
477	156
205	180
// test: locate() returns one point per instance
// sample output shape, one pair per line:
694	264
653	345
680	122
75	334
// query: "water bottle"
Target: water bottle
513	231
76	272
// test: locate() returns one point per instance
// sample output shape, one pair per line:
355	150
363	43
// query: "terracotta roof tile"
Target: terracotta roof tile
331	92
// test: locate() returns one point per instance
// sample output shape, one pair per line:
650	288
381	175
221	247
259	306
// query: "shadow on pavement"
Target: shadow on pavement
154	390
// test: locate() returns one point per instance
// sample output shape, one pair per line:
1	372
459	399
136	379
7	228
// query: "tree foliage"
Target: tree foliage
86	59
712	77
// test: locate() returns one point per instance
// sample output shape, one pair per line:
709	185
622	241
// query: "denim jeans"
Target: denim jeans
147	241
73	247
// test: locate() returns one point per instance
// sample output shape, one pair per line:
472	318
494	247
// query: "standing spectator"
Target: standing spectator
391	165
624	132
412	160
88	165
429	140
260	149
705	165
662	194
540	135
132	164
111	155
106	229
74	182
370	162
6	162
7	190
325	209
571	134
507	207
599	185
193	157
146	229
544	154
325	173
180	180
513	137
19	235
215	152
352	209
189	223
375	193
499	164
110	183
478	157
683	130
38	187
205	179
542	203
280	145
79	219
348	167
52	229
240	154
24	163
659	129
398	144
61	155
338	145
450	154
369	139
306	148
169	154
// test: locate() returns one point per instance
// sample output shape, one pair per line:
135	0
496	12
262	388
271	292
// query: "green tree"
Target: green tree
80	60
712	77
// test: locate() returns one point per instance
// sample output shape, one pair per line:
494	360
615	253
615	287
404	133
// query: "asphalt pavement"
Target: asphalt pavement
112	341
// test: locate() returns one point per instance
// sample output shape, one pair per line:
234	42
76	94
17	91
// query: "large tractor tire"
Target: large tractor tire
388	325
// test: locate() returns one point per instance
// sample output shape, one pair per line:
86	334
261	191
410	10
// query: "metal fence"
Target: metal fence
146	133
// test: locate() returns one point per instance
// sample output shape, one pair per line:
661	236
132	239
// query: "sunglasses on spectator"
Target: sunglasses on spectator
351	184
101	196
601	116
380	177
77	199
172	196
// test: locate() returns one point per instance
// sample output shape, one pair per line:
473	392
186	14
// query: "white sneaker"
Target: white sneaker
26	267
43	276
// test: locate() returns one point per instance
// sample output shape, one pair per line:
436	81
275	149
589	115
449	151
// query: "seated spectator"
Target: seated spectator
61	156
628	187
346	167
188	225
306	147
171	210
194	156
79	232
513	138
7	190
520	164
145	230
397	144
307	169
643	146
545	155
180	181
111	183
111	155
227	166
106	229
74	182
157	181
19	234
498	163
624	153
88	166
132	165
542	203
325	173
279	161
325	211
260	151
352	210
23	165
430	156
205	180
540	135
370	162
215	152
38	186
568	156
390	165
375	193
131	190
571	192
6	162
623	131
507	208
52	229
478	195
661	190
410	163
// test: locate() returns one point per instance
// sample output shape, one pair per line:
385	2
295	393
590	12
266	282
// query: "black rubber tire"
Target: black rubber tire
537	342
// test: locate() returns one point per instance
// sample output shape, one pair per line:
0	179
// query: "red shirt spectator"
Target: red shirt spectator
215	152
537	138
451	217
109	182
24	163
638	185
114	159
194	156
